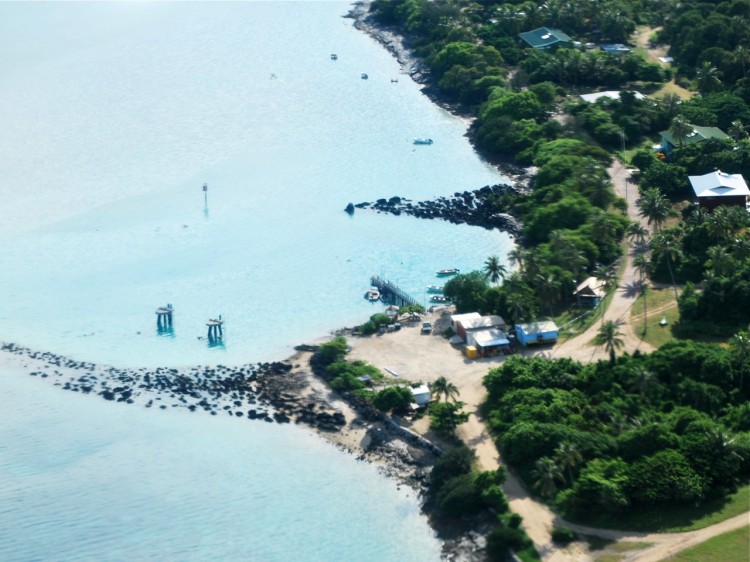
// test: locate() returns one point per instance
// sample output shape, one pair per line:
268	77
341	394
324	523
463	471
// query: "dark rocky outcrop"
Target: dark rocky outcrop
476	208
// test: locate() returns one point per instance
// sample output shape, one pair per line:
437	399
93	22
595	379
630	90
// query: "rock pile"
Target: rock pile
476	208
266	391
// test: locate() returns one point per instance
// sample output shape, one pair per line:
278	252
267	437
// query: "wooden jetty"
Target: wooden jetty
391	292
164	317
214	329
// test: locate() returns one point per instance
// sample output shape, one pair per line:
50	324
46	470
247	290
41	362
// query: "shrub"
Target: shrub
501	539
563	535
514	520
334	350
454	462
393	399
458	497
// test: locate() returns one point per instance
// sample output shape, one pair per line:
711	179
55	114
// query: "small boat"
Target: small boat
364	76
444	272
422	141
438	298
334	56
372	294
434	289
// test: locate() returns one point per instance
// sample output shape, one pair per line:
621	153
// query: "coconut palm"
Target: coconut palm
637	233
494	270
719	260
654	207
609	336
642	264
548	289
606	274
516	257
568	457
740	348
680	129
546	475
708	78
668	247
443	387
737	130
642	380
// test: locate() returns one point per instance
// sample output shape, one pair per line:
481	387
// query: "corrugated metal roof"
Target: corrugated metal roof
543	37
719	184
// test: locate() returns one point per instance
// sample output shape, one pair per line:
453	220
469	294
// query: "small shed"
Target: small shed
590	292
537	333
544	37
720	189
421	395
458	320
489	341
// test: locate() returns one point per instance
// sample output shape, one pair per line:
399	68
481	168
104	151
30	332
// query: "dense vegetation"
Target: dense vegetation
668	428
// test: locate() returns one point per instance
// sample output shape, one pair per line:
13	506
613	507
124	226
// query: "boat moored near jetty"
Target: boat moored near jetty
372	294
435	289
422	141
446	272
438	298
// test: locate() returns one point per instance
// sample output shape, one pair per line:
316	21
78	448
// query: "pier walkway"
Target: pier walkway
391	292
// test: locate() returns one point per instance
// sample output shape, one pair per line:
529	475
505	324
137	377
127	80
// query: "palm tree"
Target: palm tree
569	457
637	233
494	270
654	207
517	257
546	474
719	260
643	380
708	79
680	129
642	264
737	130
607	274
446	389
609	337
740	347
668	247
548	289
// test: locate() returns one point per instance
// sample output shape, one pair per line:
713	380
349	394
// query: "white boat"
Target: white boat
444	272
372	294
435	289
422	141
438	298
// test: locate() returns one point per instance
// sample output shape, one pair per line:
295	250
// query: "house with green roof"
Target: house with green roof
699	134
544	37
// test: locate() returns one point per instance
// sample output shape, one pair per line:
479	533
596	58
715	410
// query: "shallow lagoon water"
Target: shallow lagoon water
116	114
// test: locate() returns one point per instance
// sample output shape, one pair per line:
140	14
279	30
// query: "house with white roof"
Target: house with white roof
488	341
610	94
720	189
590	292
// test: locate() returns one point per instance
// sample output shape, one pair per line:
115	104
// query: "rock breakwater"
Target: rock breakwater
269	392
476	208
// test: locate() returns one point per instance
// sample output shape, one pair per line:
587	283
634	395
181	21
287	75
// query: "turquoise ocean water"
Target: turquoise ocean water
114	116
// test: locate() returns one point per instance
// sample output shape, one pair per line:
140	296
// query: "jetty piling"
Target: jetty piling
164	317
215	331
391	292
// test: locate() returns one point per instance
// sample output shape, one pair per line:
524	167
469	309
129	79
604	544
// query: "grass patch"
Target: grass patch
676	519
627	546
609	558
660	304
672	88
729	547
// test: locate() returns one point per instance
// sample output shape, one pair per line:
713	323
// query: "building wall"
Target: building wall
710	203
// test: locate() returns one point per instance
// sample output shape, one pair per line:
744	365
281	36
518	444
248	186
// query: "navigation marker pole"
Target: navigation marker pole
205	199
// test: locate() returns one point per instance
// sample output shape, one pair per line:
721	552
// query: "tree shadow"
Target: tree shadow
634	289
